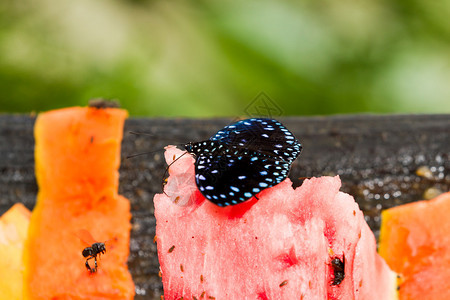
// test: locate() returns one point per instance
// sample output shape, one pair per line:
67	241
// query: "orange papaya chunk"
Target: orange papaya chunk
13	233
77	156
415	242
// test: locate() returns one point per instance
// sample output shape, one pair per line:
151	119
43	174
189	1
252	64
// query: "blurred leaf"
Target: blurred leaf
206	59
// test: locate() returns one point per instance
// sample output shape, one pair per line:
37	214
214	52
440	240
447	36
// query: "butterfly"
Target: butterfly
243	159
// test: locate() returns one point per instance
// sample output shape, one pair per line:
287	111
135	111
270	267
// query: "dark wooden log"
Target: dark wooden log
383	161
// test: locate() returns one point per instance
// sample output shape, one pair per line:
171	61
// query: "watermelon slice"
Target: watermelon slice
13	233
415	241
278	247
77	160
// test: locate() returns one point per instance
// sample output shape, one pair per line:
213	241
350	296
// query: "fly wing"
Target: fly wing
85	236
111	243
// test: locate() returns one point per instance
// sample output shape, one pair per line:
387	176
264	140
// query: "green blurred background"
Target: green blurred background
213	58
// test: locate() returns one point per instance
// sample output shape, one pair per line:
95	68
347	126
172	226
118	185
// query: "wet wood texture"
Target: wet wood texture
383	161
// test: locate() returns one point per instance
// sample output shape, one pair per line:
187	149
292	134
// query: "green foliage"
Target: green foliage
206	59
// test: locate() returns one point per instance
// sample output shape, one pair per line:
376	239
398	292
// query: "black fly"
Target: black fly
338	270
92	252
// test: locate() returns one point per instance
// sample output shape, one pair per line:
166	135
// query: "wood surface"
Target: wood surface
383	161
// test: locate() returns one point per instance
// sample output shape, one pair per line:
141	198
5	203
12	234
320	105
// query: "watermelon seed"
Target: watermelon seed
181	268
201	278
202	295
171	249
154	239
194	298
283	283
211	297
160	274
354	213
176	199
310	284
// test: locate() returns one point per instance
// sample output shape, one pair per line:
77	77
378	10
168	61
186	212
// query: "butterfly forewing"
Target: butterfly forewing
261	135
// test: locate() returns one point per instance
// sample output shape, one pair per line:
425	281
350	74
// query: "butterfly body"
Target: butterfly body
242	159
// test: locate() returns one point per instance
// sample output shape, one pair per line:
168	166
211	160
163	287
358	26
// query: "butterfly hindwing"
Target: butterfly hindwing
227	179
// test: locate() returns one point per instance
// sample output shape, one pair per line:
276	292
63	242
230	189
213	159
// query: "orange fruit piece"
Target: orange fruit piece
415	242
13	232
77	156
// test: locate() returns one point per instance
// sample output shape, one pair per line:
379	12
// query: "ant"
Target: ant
338	269
92	251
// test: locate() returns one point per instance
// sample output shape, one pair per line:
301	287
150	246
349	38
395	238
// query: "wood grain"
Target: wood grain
377	157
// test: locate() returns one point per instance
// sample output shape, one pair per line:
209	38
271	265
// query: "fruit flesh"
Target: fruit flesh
277	247
77	159
415	241
13	231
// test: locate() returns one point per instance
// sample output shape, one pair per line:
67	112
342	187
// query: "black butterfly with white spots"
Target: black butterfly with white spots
242	159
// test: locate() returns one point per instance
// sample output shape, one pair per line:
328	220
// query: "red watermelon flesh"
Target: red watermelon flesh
277	247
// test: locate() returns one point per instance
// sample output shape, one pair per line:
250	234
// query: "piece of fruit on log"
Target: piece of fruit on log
77	156
415	241
13	232
306	243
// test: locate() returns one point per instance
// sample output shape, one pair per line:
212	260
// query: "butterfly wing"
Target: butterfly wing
228	179
263	135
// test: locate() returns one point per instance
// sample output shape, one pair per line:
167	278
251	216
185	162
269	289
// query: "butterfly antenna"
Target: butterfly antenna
142	153
163	181
150	152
